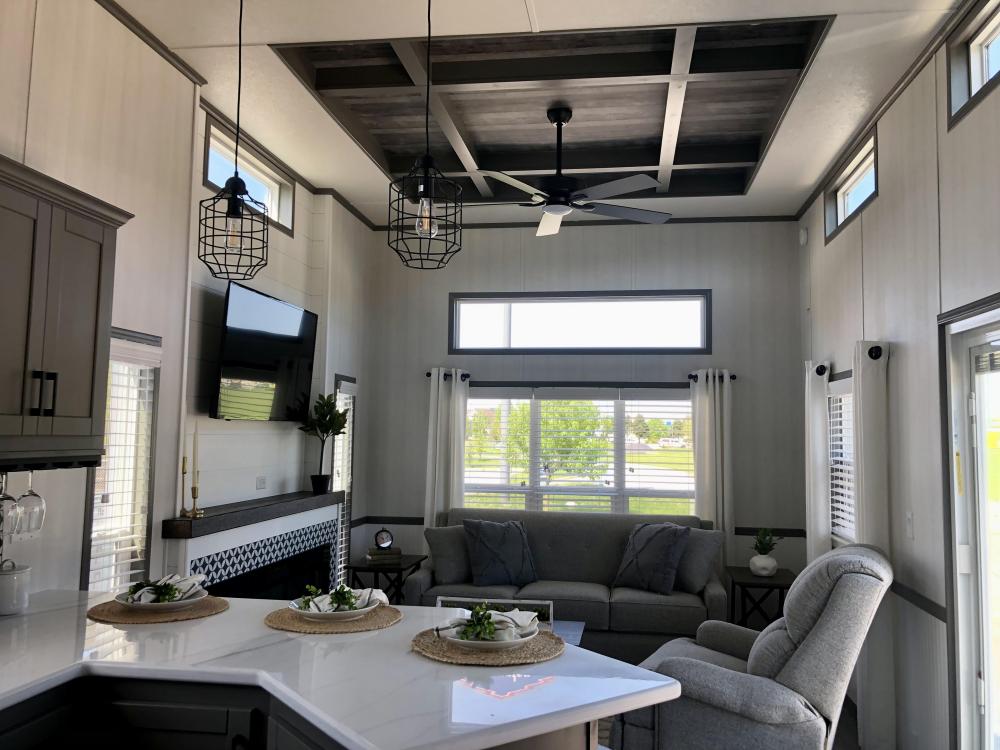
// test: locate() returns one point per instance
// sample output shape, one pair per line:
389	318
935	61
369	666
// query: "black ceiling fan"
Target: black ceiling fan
561	194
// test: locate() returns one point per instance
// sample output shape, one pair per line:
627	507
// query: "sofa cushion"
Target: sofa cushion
699	560
468	590
498	553
449	554
638	611
651	557
571	546
573	600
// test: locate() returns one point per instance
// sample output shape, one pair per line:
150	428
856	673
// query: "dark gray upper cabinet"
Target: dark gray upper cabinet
57	252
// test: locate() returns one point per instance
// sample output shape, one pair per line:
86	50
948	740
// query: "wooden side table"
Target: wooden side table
395	575
741	578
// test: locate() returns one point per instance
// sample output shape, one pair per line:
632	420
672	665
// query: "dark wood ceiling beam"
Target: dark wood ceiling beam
680	65
443	113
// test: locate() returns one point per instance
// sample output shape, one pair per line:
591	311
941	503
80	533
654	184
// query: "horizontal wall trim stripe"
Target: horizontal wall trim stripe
787	533
667	384
136	337
844	375
385	520
130	23
920	601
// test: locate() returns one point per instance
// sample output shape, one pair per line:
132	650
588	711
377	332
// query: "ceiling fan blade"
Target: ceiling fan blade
626	212
625	185
514	182
549	224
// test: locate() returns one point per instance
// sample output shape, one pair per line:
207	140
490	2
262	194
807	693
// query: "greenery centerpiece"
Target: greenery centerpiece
324	422
762	564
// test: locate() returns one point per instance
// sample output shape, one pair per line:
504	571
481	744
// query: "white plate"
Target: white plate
162	606
491	645
342	615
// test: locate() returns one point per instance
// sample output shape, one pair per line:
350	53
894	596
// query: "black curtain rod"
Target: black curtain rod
694	376
447	375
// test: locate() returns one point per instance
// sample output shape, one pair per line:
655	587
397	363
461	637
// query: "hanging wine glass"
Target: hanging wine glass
32	509
10	511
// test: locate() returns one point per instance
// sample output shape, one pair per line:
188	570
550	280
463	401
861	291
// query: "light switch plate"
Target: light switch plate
261	483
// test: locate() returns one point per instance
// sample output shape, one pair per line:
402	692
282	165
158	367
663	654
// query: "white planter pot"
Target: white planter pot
763	565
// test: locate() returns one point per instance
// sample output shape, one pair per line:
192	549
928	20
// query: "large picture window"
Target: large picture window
650	322
597	452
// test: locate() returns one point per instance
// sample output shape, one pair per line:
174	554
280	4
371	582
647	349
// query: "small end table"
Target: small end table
741	578
395	574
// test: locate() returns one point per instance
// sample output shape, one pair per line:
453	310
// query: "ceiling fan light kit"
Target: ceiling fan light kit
425	207
560	194
232	226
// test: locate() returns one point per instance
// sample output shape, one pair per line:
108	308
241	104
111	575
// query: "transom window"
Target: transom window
984	54
859	183
590	451
581	322
265	183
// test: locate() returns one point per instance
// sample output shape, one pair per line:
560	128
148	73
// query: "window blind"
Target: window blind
118	537
343	463
570	453
840	411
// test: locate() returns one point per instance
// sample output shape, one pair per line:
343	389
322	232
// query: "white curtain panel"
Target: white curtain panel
875	669
818	538
711	410
449	397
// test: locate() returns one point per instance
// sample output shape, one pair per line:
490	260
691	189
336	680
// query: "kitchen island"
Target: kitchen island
361	691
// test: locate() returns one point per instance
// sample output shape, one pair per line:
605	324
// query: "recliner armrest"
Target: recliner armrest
415	586
726	638
715	598
755	698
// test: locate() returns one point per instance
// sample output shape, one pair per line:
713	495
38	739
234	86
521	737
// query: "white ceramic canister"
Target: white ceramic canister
14	582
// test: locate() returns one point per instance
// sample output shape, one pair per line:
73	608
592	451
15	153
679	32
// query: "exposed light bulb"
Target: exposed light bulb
426	225
234	233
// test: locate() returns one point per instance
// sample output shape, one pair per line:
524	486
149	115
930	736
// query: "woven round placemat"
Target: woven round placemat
379	618
542	647
114	613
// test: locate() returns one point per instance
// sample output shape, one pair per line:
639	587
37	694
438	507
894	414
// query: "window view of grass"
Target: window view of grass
568	455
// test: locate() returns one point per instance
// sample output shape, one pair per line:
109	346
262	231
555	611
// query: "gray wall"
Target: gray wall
752	269
928	243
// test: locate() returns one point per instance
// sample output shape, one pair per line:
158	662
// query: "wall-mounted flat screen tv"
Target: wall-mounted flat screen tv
266	358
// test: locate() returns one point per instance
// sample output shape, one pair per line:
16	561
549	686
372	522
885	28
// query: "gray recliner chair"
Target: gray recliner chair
780	687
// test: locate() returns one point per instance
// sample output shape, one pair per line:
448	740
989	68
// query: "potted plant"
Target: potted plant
762	564
324	421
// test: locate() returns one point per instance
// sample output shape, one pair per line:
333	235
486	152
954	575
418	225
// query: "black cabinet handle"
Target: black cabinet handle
39	375
54	377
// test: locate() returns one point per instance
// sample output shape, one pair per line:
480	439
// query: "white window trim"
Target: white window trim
620	494
978	63
855	172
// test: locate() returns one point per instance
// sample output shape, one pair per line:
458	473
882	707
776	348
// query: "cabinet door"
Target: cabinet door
77	325
24	233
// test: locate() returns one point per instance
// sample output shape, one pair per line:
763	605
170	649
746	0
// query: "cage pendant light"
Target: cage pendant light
425	207
232	225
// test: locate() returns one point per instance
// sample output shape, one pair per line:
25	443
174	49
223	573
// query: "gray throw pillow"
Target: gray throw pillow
449	555
499	554
651	557
698	560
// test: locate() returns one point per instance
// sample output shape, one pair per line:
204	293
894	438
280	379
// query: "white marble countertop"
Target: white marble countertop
367	691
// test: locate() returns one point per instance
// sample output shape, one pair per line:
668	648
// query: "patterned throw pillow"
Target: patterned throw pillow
651	557
499	553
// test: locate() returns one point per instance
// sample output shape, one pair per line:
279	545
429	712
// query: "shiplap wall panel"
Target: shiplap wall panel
921	679
901	283
16	37
752	269
970	195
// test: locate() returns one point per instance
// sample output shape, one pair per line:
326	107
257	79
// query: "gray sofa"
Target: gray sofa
576	557
781	687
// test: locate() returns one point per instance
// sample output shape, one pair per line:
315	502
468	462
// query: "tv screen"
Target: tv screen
266	360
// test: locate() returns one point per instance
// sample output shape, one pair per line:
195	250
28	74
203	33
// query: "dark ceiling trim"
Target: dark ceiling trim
256	145
622	222
939	38
149	38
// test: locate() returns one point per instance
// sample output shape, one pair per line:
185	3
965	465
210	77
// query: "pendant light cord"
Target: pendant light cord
239	89
427	95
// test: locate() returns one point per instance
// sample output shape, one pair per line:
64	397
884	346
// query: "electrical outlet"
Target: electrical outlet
261	483
909	524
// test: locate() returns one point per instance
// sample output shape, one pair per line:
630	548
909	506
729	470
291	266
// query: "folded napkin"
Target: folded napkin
365	598
508	626
186	588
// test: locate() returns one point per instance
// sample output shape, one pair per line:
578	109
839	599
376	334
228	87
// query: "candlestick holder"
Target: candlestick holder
184	471
195	511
